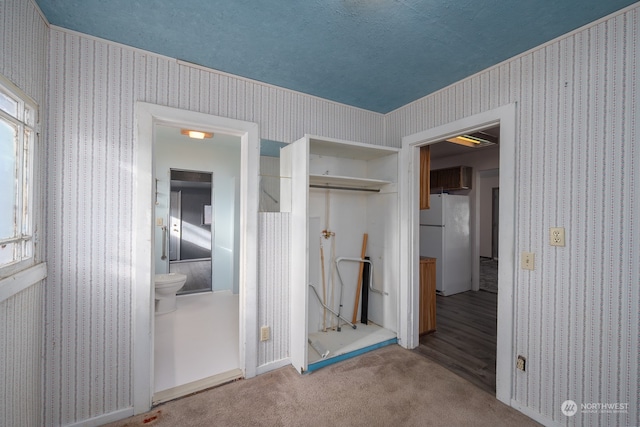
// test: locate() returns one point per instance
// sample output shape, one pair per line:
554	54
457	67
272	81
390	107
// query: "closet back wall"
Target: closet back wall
93	87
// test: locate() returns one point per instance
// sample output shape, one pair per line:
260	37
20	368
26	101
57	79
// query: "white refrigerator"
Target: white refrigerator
444	235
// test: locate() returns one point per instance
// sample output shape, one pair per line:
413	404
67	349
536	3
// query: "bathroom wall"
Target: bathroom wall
221	156
91	152
24	40
577	166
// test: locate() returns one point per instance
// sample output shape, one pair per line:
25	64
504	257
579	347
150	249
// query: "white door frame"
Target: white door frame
409	246
143	305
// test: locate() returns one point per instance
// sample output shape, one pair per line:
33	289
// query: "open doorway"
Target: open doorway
149	239
463	338
197	191
505	117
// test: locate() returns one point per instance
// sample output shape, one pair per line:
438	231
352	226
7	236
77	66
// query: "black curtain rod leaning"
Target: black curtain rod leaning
330	187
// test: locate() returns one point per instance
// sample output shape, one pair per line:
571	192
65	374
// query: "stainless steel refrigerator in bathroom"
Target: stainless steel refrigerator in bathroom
444	235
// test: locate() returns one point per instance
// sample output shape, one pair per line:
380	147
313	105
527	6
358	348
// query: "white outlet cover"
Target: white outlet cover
556	236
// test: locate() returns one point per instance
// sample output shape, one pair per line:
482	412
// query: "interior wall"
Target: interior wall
91	152
24	40
577	166
273	291
487	184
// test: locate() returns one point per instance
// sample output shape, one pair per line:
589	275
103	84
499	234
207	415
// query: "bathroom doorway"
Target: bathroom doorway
148	238
190	226
197	345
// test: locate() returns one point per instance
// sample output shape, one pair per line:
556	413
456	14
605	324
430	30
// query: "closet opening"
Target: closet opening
343	200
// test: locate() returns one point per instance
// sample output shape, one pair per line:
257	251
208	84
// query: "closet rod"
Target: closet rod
331	187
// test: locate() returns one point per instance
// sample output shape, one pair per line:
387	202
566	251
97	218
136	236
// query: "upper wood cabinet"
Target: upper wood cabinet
425	168
449	179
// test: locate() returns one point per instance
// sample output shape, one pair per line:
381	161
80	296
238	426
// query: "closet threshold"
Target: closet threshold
339	358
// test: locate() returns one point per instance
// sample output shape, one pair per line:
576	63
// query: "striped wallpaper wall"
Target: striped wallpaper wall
93	87
273	298
21	322
24	40
578	167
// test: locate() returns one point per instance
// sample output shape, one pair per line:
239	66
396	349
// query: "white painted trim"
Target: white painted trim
196	386
146	116
103	419
268	367
409	247
18	282
37	8
536	416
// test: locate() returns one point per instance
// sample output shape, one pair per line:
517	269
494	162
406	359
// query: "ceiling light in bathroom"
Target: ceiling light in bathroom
196	134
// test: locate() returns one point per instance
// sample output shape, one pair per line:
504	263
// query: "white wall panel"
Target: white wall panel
576	315
20	362
24	40
273	298
93	87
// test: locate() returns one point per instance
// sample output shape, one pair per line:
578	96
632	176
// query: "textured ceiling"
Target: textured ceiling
373	54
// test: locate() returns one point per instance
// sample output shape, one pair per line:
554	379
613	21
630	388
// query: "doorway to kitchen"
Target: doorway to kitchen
505	118
456	224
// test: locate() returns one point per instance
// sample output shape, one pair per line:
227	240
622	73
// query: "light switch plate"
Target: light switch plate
528	261
265	333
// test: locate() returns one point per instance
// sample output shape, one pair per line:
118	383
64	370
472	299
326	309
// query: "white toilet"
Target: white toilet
166	286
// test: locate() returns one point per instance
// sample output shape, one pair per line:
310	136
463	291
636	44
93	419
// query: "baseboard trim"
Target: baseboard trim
104	418
195	386
263	369
536	416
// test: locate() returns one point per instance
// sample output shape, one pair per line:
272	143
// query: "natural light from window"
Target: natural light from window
17	138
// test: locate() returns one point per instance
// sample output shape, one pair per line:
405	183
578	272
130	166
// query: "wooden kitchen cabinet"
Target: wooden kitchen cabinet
425	177
427	322
451	179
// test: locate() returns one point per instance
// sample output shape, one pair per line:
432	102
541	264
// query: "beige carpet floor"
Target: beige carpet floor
390	386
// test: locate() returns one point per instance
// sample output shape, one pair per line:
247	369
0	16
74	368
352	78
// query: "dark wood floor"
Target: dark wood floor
465	337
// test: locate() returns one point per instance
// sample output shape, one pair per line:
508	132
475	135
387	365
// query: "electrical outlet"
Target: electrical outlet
265	332
159	222
521	363
556	236
528	261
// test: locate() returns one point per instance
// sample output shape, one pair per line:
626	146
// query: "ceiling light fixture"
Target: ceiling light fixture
196	134
470	141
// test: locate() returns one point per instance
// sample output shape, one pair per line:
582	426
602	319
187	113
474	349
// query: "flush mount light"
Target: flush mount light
196	134
470	141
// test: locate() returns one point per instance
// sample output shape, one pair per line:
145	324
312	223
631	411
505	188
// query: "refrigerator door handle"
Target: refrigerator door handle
432	225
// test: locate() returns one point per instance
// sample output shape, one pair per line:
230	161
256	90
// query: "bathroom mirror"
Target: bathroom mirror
190	234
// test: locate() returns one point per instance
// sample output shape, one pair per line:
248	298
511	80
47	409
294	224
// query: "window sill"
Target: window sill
18	282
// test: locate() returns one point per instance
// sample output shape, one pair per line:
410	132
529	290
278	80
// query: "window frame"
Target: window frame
25	234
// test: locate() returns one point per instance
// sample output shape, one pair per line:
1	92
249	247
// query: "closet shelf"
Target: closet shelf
346	181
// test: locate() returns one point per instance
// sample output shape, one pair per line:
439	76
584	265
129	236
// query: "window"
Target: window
18	118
